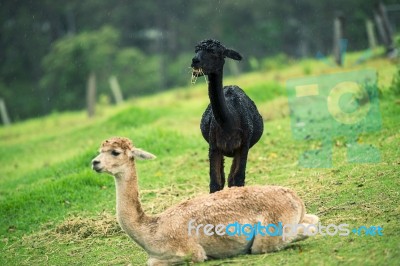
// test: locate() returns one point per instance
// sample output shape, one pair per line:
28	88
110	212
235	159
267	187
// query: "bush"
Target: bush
137	73
279	61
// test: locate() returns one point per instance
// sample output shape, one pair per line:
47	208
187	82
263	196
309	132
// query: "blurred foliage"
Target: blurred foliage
72	58
265	91
69	62
178	69
278	61
136	72
48	47
395	86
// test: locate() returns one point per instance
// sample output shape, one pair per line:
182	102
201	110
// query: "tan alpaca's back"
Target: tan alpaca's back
244	205
241	202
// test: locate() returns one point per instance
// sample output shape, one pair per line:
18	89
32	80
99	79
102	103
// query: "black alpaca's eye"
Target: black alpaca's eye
115	153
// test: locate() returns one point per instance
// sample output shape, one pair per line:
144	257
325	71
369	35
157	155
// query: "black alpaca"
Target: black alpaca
231	123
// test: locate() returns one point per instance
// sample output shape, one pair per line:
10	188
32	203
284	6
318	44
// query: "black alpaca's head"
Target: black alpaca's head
210	57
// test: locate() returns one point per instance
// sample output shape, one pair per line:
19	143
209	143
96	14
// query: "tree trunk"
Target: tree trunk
116	90
338	40
3	111
371	34
381	29
91	95
385	27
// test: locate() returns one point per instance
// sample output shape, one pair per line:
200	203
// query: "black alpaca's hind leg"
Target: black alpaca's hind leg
217	176
237	174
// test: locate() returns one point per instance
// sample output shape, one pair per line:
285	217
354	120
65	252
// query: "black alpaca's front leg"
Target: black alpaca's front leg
237	174
217	175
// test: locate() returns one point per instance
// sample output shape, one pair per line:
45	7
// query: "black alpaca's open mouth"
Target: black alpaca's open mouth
196	72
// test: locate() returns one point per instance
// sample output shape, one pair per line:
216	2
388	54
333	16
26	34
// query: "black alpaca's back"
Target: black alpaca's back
248	123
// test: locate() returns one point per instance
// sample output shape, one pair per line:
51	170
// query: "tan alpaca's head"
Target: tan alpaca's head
116	154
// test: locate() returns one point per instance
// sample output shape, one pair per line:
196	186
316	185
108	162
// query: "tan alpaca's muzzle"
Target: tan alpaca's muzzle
96	165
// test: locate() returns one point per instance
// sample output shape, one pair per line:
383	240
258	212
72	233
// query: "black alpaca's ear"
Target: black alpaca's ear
232	54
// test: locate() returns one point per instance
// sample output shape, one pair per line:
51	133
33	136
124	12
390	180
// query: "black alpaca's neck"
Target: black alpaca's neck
217	99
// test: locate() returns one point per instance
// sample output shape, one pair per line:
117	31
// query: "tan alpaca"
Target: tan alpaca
166	237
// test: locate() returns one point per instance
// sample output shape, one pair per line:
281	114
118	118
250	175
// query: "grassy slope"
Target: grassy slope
55	210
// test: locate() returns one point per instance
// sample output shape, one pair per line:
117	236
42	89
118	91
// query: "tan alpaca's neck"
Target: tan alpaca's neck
129	210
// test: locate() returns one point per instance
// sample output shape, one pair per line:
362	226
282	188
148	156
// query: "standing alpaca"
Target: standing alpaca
176	235
231	123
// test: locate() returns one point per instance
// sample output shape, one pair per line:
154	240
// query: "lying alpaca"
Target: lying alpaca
231	124
166	237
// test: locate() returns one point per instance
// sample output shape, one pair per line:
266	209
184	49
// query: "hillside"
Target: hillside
56	211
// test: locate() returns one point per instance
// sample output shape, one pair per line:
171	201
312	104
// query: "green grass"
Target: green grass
54	210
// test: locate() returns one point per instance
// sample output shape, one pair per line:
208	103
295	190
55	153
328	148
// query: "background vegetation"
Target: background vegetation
48	48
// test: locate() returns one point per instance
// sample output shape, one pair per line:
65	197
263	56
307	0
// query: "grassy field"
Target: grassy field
54	210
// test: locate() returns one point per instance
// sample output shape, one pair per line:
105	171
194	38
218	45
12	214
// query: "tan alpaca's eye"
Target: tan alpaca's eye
115	153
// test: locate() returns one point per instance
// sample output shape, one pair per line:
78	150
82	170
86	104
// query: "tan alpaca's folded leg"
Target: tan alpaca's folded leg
310	219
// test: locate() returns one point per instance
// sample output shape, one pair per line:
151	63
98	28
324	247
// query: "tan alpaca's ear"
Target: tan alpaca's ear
141	154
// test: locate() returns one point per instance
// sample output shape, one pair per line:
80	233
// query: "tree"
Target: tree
71	59
136	72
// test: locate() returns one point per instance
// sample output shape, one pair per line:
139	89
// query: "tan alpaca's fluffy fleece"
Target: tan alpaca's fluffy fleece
165	237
